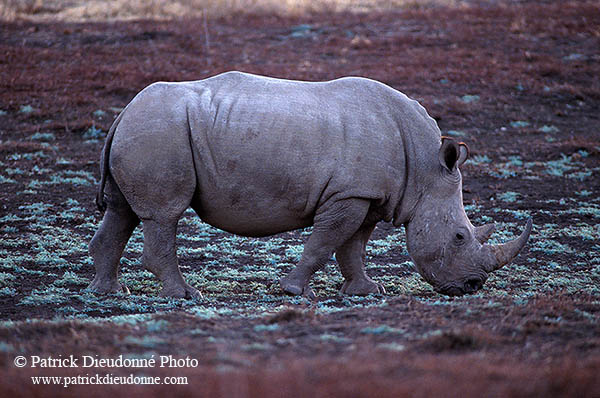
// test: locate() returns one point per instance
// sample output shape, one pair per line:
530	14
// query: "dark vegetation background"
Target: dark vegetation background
516	80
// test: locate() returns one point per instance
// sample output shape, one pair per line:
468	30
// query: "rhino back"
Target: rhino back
268	152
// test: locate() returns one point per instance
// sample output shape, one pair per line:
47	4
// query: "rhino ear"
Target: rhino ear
452	154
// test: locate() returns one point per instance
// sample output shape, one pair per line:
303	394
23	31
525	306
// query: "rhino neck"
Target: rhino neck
420	141
407	204
408	190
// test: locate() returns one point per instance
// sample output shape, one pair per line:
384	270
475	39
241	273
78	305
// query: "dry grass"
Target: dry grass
103	10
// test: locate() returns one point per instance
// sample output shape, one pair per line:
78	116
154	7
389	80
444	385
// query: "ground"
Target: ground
517	81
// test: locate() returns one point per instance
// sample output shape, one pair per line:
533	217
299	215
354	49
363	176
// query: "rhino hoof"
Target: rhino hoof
362	287
296	290
106	287
182	291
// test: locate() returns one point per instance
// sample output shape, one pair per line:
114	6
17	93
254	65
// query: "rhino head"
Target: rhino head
448	251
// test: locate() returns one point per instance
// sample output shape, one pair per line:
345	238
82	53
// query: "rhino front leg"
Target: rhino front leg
160	258
351	258
333	225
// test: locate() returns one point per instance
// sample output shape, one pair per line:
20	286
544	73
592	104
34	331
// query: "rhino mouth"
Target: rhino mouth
469	285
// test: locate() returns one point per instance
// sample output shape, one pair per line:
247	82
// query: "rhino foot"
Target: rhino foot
362	287
181	291
104	286
295	289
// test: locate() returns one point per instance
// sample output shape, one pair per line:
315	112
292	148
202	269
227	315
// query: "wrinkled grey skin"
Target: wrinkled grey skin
257	156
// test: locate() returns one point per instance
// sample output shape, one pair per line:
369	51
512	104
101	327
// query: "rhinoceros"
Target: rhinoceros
257	156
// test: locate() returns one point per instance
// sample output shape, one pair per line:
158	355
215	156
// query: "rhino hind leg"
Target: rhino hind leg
351	258
106	247
160	208
333	225
160	257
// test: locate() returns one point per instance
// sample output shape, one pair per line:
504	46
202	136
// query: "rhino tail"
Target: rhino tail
104	166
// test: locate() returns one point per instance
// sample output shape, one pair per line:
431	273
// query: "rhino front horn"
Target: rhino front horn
503	254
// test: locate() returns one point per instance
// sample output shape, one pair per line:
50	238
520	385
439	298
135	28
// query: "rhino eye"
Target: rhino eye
460	236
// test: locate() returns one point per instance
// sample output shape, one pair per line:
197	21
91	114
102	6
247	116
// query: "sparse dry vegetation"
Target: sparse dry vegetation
100	10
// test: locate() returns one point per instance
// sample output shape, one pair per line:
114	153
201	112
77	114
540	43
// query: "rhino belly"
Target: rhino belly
246	214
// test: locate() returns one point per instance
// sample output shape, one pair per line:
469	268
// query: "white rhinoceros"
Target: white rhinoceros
257	156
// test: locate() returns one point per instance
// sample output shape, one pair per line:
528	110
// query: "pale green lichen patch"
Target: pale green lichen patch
570	166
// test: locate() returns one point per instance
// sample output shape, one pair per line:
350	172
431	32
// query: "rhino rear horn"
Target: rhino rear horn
503	254
483	233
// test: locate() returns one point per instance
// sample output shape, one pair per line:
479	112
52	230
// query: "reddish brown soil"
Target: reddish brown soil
526	60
